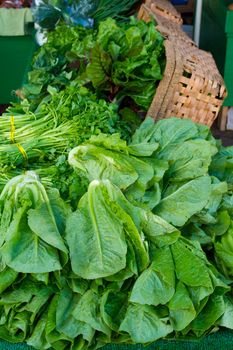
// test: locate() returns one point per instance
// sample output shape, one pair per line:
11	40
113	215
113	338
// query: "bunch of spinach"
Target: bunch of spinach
118	61
127	61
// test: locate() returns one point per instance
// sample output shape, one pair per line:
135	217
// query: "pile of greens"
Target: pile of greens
145	253
76	77
118	62
111	230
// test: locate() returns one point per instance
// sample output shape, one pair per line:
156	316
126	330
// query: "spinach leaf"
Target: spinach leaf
96	236
181	308
32	243
144	325
156	285
188	200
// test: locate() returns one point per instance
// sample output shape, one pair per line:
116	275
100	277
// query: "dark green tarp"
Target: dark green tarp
222	340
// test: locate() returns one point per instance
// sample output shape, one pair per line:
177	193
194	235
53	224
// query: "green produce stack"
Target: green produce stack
145	254
112	230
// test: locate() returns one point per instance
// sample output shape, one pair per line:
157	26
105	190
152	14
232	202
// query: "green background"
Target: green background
15	57
216	36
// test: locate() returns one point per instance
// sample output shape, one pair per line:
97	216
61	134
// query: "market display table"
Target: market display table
222	340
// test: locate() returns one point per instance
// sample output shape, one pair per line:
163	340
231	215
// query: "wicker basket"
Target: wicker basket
192	86
168	28
164	8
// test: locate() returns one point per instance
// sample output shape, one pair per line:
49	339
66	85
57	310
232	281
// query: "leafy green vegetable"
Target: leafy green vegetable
156	285
189	199
95	236
113	307
65	321
121	169
224	251
226	319
127	61
119	61
144	325
140	250
158	231
115	9
87	310
56	63
190	159
30	238
190	269
222	164
181	308
213	310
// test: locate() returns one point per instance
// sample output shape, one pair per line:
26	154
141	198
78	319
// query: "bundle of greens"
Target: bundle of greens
51	65
146	253
117	9
90	114
119	62
38	138
127	61
43	139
